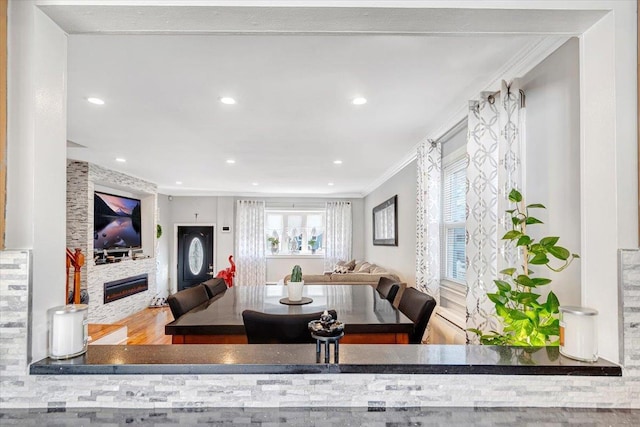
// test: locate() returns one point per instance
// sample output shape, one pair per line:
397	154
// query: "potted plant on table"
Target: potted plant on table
312	245
294	287
525	320
275	244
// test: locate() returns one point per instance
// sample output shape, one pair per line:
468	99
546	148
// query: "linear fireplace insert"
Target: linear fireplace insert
123	288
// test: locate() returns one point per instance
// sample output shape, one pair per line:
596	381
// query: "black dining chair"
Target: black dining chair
418	307
388	289
186	300
264	328
214	286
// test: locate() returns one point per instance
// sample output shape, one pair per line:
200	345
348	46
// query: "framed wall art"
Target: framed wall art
385	223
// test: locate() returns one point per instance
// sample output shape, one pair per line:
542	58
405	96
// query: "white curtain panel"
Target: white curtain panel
495	129
428	213
338	233
251	263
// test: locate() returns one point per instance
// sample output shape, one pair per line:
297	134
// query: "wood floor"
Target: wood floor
147	326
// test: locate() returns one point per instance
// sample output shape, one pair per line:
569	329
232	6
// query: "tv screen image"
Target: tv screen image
116	222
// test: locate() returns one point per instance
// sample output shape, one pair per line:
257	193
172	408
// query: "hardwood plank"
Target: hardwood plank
97	331
147	326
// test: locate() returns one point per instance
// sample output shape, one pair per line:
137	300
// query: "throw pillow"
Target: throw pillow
351	264
341	263
364	268
356	267
379	270
340	269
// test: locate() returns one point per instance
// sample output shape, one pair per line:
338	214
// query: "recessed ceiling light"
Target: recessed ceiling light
330	184
337	162
96	101
227	100
359	101
231	161
121	160
254	183
179	182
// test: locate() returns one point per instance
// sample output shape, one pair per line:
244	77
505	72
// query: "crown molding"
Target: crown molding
187	192
520	64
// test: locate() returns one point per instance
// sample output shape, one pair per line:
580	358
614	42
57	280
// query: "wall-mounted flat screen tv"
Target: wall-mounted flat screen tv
116	222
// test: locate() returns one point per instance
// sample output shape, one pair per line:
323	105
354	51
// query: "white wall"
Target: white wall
225	241
605	198
552	159
163	248
36	172
400	259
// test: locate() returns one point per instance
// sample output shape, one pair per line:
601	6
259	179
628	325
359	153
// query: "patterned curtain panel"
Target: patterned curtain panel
428	212
338	231
251	263
495	132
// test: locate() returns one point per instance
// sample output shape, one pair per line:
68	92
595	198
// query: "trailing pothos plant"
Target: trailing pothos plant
527	321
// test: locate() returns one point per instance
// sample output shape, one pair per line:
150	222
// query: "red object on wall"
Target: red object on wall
228	273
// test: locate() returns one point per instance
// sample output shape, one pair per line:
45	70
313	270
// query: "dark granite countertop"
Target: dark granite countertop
301	359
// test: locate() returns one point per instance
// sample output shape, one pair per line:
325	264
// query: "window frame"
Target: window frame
452	292
303	212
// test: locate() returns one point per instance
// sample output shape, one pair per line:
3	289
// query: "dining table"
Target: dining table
368	318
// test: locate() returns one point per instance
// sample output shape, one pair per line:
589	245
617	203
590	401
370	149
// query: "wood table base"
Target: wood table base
386	338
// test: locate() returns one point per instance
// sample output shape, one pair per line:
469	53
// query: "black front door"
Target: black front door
195	255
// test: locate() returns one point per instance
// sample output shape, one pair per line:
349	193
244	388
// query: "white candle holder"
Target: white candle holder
68	331
579	333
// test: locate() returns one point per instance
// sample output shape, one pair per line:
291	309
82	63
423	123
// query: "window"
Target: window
453	257
291	232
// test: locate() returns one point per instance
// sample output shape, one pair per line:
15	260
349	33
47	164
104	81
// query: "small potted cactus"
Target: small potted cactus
294	287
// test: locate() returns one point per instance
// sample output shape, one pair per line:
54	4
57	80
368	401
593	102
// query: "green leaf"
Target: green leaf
510	235
532	315
497	298
536	205
502	285
537	248
549	330
515	196
539	258
532	220
475	331
516	220
508	271
552	303
559	252
524	280
502	311
575	255
510	211
518	315
527	297
539	281
538	341
549	241
523	240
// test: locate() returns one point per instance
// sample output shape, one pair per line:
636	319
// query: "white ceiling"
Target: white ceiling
293	115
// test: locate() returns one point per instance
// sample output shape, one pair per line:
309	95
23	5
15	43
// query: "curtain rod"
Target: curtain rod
453	130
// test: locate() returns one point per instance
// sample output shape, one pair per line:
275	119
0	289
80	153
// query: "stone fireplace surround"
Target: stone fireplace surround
82	179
